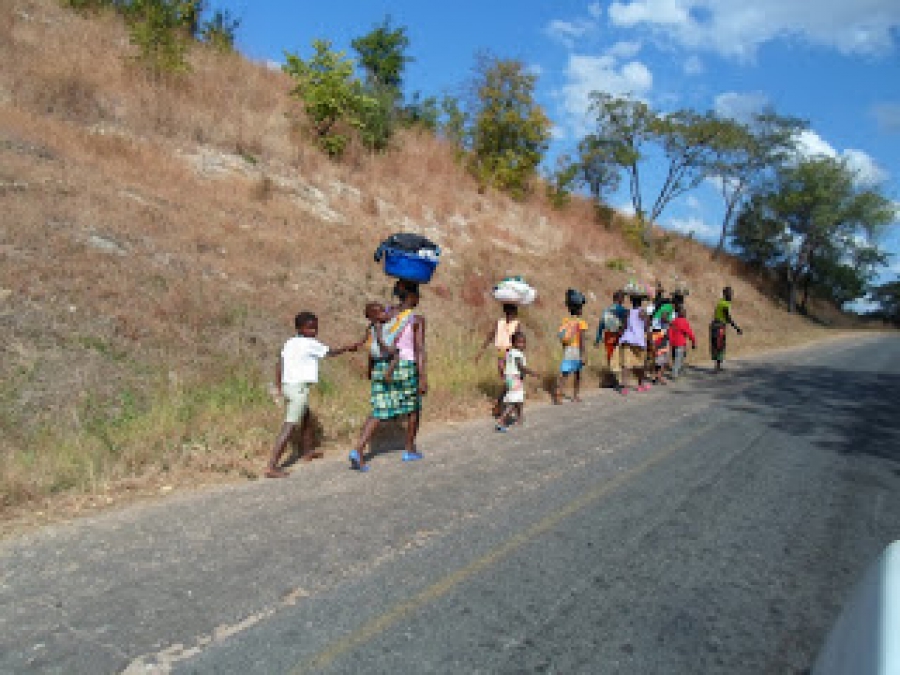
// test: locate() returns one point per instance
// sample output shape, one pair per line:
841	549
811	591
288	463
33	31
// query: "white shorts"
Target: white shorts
296	398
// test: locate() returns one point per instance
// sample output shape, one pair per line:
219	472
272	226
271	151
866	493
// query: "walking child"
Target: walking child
571	335
679	332
296	372
658	345
515	371
612	323
501	336
633	345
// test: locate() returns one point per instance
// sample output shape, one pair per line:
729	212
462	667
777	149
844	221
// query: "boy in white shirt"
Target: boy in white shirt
297	370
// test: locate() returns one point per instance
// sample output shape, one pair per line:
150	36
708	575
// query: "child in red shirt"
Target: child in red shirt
679	332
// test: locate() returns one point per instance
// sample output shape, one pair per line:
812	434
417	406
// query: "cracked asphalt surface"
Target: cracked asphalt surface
713	526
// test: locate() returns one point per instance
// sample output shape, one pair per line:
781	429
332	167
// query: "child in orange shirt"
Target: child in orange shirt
571	334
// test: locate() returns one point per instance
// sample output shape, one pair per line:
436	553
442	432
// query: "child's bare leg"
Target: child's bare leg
272	470
576	386
558	390
520	413
307	440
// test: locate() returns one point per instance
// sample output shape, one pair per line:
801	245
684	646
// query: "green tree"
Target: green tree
510	132
455	124
597	168
382	55
156	28
629	132
561	182
190	13
758	237
824	224
744	154
220	31
333	99
423	112
377	119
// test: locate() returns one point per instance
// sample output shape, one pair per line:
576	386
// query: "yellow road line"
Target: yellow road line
440	588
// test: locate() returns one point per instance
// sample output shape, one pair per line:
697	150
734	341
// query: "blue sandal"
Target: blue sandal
355	462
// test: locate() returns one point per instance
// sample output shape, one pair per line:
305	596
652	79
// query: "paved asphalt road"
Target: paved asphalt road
714	526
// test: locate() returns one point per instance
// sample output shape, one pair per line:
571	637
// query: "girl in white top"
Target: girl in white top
515	371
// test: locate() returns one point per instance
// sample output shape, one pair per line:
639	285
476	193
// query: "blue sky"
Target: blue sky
835	63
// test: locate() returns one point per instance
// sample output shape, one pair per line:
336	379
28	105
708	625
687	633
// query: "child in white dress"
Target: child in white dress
515	370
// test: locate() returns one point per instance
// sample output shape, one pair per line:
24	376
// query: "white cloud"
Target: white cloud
567	32
737	28
595	9
585	74
740	107
693	203
626	208
624	50
693	226
273	65
887	115
868	173
658	12
694	66
810	144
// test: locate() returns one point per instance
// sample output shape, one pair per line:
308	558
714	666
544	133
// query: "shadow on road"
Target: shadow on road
851	412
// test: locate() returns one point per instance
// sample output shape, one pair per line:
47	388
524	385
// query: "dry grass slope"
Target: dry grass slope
156	240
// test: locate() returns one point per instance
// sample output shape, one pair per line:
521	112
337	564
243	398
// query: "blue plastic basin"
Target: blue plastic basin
409	266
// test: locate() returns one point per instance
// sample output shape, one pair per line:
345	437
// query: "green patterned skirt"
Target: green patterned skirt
398	397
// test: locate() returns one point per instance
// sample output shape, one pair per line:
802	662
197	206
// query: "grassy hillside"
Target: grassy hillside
156	241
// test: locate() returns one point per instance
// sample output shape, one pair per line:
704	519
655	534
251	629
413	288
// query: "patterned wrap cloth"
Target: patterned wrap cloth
717	340
398	397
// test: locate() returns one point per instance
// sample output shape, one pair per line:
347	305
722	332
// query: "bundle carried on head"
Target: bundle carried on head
575	298
634	290
681	290
514	291
409	256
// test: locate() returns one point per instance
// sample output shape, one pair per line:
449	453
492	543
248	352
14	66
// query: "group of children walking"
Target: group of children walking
641	344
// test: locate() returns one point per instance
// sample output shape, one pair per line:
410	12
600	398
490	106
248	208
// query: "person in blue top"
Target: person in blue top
612	323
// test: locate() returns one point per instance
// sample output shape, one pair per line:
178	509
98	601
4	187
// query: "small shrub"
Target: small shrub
156	28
